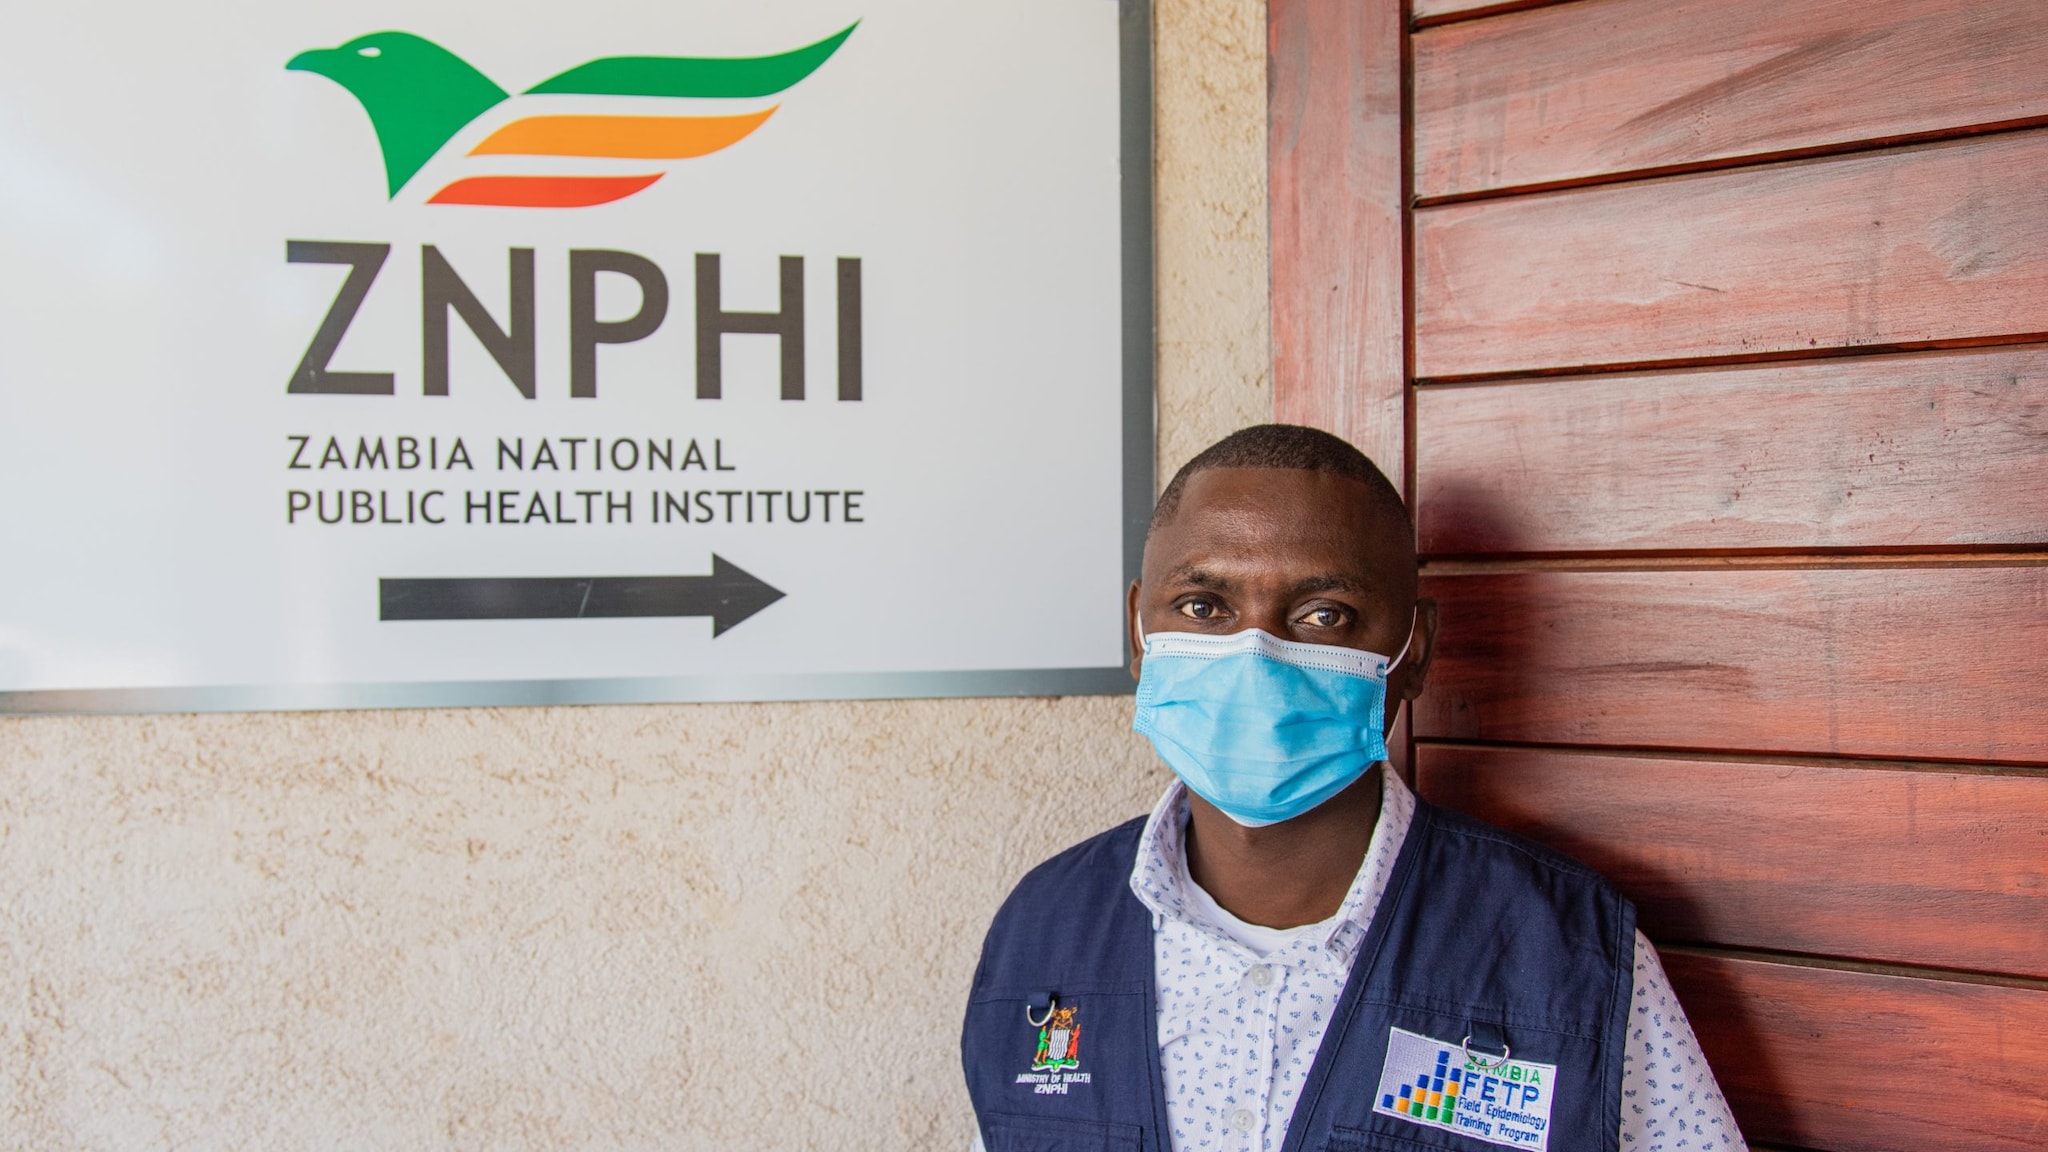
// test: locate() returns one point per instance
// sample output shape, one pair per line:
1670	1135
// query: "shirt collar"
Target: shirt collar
1155	874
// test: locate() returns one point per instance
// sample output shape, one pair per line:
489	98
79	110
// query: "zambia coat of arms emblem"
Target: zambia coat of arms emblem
1059	1042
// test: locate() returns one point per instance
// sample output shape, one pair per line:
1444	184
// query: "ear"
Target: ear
1134	629
1414	669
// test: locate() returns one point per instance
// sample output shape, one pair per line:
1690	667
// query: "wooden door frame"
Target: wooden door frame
1336	115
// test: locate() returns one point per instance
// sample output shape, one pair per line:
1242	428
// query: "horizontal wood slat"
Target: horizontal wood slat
1923	450
1609	86
1909	866
1934	244
1868	1062
1936	663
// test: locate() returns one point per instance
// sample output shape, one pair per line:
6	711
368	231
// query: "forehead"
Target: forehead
1281	522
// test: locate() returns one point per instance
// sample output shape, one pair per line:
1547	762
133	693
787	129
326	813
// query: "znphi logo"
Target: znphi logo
419	96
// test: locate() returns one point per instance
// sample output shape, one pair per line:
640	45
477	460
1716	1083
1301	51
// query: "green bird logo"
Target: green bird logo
419	95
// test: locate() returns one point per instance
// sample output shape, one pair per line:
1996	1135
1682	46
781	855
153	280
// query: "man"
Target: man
1293	951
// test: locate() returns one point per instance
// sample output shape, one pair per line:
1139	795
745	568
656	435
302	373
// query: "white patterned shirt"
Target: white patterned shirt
1242	1008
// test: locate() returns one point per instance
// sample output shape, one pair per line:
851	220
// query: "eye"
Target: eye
1324	616
372	52
1198	610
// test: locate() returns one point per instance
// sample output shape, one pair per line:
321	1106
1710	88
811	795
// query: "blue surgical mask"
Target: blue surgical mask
1263	728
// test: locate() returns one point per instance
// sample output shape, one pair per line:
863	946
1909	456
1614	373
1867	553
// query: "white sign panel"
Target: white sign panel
443	351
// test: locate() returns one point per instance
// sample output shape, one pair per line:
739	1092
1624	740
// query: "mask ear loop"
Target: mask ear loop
1414	615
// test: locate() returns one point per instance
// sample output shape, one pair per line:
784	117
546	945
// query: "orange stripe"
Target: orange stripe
541	191
626	137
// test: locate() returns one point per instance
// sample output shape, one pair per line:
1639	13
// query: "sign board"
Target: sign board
440	352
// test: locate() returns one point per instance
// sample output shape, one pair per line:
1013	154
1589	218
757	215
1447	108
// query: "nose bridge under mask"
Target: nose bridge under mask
1212	645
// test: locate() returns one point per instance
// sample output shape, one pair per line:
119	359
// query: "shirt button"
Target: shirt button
1261	976
1242	1119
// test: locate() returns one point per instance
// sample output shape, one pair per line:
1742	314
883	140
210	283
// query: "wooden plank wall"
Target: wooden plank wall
1726	426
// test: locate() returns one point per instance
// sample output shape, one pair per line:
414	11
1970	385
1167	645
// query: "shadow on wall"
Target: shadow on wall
1496	661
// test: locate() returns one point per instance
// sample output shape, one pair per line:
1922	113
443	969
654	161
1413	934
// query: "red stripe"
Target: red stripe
541	191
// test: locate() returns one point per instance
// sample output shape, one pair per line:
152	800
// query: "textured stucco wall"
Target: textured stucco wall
688	927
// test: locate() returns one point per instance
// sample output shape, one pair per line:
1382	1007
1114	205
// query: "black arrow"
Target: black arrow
729	595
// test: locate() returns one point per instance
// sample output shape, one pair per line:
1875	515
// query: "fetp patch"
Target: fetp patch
1437	1084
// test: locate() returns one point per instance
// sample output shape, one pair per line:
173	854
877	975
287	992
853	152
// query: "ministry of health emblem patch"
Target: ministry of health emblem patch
1059	1043
1055	1065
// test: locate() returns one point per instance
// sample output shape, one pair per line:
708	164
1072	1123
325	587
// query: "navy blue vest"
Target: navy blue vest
1480	935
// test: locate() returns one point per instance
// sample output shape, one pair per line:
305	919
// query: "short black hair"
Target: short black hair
1286	446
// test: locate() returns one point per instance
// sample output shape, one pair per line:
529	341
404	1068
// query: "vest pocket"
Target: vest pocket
1044	1134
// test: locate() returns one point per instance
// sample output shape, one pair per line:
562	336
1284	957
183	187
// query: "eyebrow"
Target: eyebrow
1202	578
1331	584
1189	574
